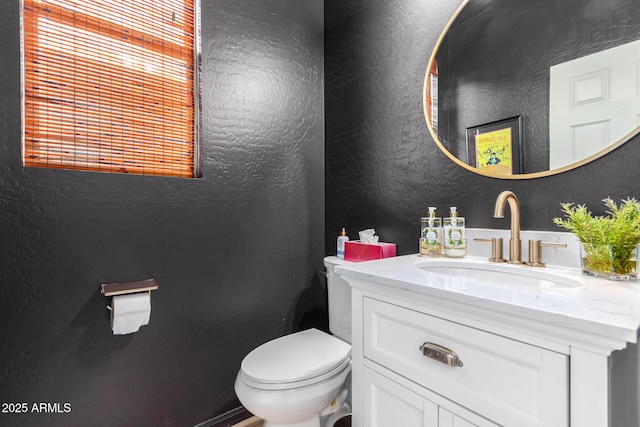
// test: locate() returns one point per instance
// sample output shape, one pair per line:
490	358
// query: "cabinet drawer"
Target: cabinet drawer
507	381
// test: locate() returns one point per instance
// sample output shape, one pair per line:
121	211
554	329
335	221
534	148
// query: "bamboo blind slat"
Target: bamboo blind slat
109	85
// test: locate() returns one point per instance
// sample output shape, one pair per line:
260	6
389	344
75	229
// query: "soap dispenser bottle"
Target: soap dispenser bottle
342	238
455	243
431	234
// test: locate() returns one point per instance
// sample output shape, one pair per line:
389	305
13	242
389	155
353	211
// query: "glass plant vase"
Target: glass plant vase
612	262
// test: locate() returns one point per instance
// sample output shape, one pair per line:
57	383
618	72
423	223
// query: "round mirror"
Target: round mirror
533	88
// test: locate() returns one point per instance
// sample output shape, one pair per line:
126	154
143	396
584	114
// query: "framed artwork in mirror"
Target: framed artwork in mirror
496	147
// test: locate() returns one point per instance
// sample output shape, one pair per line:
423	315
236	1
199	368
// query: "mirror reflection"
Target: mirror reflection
531	88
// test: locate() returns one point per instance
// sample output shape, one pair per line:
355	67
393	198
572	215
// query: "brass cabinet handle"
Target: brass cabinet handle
441	354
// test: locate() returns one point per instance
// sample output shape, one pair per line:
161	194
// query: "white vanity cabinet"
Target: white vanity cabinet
524	358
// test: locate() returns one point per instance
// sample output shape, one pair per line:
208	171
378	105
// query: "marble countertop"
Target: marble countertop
562	297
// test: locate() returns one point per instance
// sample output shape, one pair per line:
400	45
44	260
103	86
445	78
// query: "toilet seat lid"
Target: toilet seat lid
294	358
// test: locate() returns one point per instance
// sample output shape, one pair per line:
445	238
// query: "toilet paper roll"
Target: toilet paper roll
129	312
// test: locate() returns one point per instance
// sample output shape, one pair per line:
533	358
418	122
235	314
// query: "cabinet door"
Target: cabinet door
448	419
387	404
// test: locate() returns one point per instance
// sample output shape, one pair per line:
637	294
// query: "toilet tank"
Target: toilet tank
339	300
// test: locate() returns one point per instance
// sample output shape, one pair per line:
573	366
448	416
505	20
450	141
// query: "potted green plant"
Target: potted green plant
609	244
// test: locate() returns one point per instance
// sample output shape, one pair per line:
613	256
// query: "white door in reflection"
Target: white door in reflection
594	102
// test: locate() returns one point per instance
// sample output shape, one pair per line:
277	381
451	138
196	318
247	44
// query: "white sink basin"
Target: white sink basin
499	274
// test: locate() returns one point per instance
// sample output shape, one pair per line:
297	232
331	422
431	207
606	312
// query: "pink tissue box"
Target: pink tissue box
356	251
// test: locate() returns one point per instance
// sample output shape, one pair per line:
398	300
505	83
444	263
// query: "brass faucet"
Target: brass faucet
515	245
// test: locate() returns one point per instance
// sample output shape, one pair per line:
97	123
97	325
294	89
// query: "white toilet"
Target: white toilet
301	380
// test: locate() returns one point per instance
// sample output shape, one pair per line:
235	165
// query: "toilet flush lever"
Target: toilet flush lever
441	354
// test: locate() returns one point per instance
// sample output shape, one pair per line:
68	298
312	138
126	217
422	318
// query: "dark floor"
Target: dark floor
240	415
229	419
343	422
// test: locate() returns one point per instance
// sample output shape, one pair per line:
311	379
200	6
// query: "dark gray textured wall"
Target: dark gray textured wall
237	254
383	167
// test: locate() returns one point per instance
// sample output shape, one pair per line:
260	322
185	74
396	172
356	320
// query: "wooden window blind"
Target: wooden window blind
109	86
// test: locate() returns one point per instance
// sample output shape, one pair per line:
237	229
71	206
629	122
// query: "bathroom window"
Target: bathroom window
111	86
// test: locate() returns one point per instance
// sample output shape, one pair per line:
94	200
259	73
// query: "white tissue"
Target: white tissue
368	236
130	311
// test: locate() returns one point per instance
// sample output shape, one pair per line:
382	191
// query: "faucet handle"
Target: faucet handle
496	248
535	251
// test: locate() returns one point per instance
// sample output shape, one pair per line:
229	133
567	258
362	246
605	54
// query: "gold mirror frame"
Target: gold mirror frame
425	97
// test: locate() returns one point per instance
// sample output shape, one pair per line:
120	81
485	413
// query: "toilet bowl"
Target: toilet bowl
301	379
290	380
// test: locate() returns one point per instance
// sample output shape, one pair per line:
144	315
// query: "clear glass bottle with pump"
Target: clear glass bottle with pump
455	243
431	235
